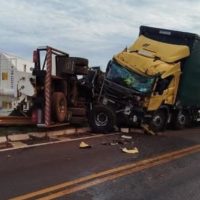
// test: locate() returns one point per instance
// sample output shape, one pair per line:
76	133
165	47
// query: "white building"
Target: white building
13	71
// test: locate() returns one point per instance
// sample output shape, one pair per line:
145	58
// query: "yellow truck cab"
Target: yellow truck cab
158	61
147	83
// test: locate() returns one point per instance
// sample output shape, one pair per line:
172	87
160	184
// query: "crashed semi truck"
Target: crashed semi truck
50	94
61	97
154	82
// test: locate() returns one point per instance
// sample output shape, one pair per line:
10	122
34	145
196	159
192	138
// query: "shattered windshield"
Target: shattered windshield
129	79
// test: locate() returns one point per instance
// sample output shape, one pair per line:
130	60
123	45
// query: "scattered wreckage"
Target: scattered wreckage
125	143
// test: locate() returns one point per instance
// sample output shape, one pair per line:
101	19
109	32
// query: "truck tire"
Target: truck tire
59	106
180	120
102	119
79	61
158	121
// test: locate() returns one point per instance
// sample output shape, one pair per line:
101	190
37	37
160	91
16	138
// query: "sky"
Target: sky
94	29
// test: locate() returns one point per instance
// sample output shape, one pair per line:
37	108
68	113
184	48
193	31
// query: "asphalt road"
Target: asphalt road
27	170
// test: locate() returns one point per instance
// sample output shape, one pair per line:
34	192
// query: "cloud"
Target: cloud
94	29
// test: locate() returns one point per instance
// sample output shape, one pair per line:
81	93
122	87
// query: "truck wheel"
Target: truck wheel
158	121
79	61
102	119
180	120
59	106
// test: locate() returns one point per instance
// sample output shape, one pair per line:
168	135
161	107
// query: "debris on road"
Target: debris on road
84	145
131	151
147	129
121	140
125	130
114	142
127	137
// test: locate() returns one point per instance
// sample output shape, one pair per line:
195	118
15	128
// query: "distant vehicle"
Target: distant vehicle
155	82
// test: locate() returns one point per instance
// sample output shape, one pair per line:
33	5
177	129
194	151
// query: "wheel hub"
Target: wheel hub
157	120
181	119
101	119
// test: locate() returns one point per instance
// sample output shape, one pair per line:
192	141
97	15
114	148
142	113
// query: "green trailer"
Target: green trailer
189	91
